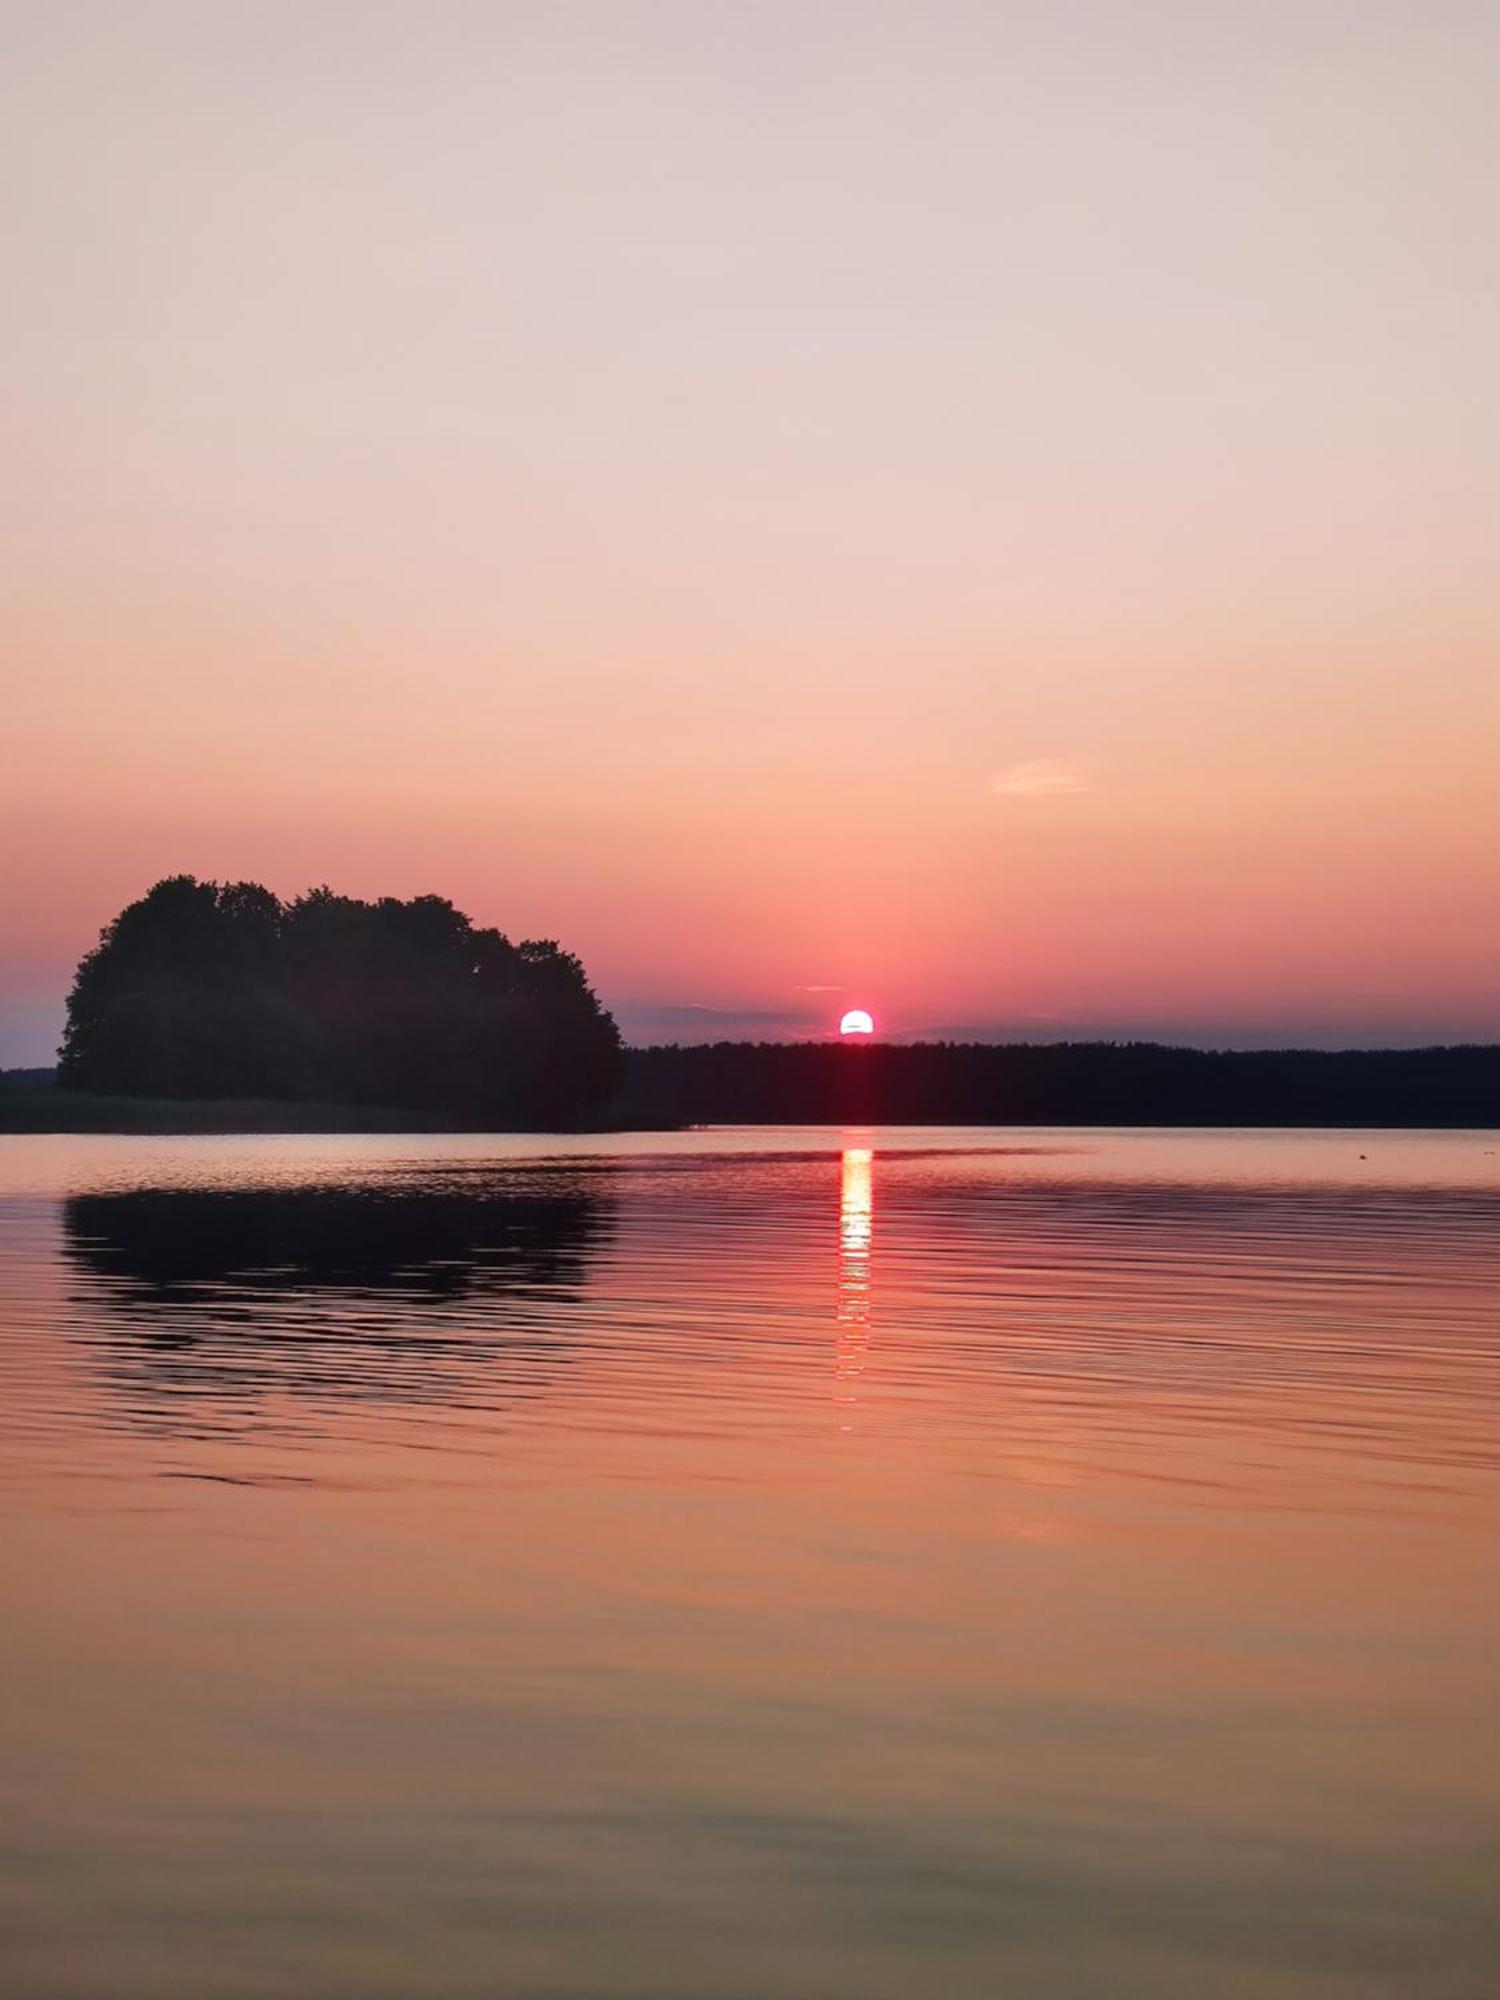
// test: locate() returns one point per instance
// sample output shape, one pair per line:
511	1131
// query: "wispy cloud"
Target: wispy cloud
1042	778
817	989
692	1010
693	1021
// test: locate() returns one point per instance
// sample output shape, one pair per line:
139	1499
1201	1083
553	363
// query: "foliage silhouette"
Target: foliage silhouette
220	990
1059	1083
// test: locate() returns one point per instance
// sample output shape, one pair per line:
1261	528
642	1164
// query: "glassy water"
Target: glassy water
750	1566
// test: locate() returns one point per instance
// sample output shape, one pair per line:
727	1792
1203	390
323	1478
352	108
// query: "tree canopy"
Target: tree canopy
219	989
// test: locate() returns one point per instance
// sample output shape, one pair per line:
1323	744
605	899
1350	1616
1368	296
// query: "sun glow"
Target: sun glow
857	1022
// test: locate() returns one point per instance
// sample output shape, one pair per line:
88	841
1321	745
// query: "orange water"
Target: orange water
736	1565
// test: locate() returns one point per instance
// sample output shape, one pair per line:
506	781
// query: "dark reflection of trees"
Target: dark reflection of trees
432	1291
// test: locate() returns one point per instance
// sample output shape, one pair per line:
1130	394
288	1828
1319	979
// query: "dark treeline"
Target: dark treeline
221	990
1059	1083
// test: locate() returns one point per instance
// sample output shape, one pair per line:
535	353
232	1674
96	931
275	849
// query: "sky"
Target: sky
984	512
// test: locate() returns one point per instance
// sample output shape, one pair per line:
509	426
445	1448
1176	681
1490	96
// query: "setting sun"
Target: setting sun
857	1022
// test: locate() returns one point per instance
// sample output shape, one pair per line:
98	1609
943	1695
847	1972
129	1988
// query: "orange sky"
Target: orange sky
987	512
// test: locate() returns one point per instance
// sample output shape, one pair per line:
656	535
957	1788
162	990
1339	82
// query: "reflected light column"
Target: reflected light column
856	1235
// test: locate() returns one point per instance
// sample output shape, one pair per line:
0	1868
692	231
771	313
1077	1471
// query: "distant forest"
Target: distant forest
217	1006
220	990
1058	1083
930	1083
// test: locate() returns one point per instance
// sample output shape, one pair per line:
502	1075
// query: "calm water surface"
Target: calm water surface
745	1565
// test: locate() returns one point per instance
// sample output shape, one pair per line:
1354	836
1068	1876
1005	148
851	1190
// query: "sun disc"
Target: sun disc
857	1022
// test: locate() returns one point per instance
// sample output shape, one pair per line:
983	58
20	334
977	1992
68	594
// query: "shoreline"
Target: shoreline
56	1113
1059	1084
49	1110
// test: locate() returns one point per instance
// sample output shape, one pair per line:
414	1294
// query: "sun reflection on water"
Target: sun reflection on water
856	1238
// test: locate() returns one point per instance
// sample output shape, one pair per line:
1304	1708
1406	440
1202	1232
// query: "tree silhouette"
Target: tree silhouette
1059	1083
205	989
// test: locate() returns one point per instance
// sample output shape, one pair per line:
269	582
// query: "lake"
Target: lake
750	1565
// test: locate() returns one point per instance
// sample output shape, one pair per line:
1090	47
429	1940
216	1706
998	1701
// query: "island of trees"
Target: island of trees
219	990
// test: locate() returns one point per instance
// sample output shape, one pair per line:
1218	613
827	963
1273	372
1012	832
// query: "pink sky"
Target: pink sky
987	512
